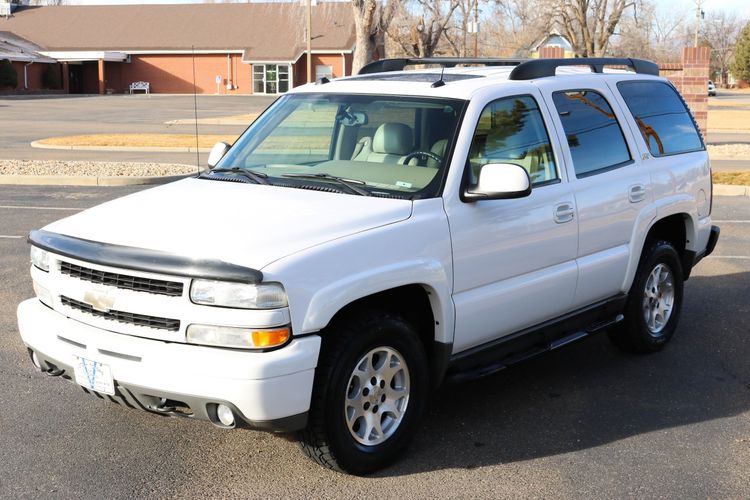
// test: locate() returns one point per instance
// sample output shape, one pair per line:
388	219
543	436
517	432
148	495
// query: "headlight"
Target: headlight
40	258
242	295
243	338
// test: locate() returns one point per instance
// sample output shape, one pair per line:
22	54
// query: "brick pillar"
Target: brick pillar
694	81
551	53
101	76
66	77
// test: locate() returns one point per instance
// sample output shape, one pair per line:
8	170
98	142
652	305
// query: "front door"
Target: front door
75	75
514	260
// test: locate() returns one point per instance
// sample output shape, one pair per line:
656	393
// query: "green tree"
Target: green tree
8	75
741	64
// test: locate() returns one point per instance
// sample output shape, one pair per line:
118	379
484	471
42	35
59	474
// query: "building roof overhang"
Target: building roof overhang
85	55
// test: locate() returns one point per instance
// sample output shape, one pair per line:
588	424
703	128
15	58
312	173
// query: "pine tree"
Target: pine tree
741	64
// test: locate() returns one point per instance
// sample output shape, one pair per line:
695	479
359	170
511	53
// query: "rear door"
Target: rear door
612	188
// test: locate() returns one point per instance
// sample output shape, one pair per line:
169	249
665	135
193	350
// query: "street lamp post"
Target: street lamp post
699	15
309	41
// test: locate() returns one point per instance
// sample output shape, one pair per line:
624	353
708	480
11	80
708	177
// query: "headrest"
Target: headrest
393	139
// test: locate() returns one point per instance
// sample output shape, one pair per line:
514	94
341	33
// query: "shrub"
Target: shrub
8	75
51	77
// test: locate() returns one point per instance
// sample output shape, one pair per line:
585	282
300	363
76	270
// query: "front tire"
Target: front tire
370	391
654	302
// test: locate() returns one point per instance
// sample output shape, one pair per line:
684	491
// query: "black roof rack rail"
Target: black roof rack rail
387	65
540	68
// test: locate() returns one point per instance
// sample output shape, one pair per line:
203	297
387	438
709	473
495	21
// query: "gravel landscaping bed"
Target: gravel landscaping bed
734	151
92	168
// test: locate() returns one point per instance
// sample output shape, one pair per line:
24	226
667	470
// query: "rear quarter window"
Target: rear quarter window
665	123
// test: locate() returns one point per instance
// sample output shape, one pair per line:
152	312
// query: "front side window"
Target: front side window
594	137
662	118
511	130
384	145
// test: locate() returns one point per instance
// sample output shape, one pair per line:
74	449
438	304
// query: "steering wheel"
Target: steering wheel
422	154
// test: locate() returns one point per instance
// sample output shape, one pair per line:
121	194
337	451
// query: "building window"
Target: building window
270	78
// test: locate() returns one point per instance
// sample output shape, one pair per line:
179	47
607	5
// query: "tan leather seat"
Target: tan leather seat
438	148
392	141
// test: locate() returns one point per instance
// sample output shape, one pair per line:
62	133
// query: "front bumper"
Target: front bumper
265	390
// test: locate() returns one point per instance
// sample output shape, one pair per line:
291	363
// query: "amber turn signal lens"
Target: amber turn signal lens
270	338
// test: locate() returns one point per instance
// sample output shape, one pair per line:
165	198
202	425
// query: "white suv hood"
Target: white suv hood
246	224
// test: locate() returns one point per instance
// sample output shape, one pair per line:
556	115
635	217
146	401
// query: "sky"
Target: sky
740	7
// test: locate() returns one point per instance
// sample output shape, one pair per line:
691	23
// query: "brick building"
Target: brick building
251	48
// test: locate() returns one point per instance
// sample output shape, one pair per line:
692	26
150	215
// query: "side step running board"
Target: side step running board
509	358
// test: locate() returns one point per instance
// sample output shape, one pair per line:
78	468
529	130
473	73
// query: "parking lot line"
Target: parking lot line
10	237
732	221
41	208
741	257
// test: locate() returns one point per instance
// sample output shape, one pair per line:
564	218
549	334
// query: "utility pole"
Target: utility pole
476	28
309	41
699	14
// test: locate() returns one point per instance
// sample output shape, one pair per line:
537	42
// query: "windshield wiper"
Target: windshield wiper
258	177
351	184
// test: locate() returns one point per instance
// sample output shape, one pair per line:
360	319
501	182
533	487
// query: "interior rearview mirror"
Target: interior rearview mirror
352	118
499	181
217	153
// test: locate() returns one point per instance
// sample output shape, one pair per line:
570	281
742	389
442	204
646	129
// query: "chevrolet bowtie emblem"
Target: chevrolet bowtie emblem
99	300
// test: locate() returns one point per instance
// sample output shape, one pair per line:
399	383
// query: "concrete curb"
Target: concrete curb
81	180
39	145
731	190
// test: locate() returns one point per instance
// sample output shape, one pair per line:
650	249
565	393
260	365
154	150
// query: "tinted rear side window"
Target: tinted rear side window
594	137
664	121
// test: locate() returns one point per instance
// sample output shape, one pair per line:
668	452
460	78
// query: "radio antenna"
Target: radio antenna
195	109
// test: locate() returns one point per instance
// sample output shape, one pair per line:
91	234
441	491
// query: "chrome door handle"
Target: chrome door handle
564	212
637	193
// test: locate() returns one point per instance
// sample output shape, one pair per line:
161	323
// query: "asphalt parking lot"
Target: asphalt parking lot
30	118
585	421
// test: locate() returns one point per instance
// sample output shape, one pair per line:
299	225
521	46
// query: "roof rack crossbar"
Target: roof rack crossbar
540	68
387	65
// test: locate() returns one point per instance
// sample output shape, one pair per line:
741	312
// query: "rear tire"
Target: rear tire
370	391
654	302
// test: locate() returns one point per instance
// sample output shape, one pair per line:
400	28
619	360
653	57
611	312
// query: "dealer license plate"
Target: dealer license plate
94	375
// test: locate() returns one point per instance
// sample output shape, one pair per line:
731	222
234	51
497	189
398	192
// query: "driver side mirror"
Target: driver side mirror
499	181
217	153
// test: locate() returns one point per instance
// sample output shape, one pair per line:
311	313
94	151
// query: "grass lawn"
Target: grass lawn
726	119
734	178
272	144
139	140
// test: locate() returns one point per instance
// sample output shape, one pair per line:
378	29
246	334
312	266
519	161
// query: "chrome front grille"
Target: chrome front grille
124	281
168	324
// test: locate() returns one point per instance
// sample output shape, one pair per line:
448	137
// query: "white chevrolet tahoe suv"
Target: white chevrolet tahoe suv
368	237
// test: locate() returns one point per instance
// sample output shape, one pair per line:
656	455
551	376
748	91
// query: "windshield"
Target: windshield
354	144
